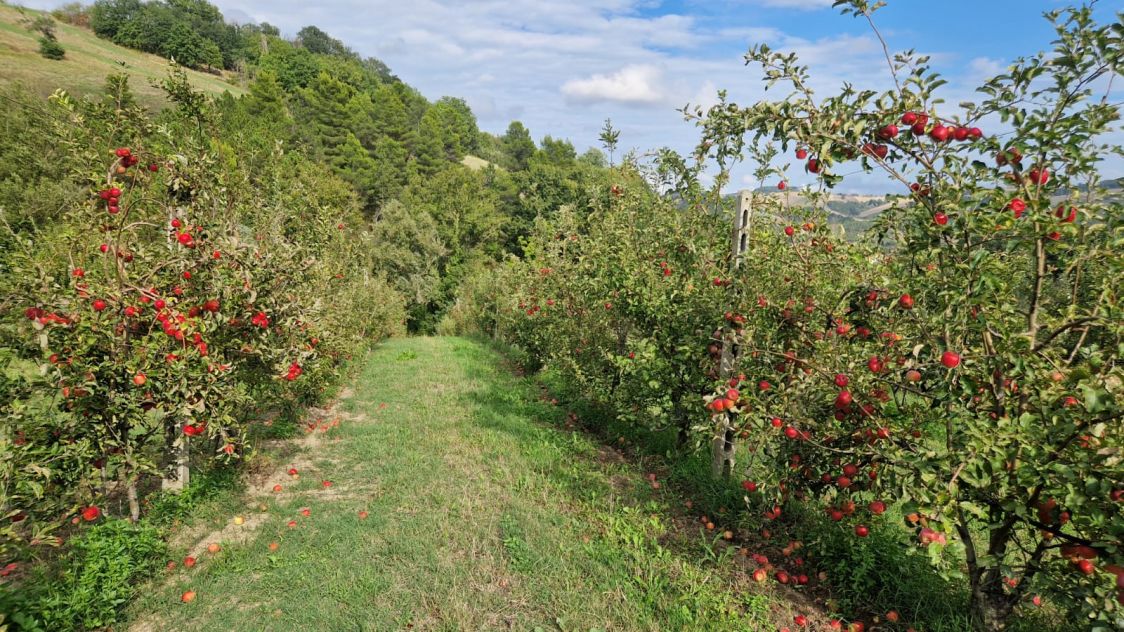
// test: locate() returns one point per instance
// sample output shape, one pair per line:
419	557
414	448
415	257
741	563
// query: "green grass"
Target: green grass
484	513
88	61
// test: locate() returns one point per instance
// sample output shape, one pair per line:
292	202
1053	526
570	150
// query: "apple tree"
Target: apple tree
166	296
968	367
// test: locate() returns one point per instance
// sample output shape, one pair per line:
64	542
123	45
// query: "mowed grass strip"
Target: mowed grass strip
480	517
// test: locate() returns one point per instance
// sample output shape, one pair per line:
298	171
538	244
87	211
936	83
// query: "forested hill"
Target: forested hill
442	196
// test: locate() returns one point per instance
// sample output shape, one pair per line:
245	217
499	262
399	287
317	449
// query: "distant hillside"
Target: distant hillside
851	212
854	213
88	61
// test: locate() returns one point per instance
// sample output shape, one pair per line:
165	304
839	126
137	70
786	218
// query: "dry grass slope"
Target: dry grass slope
88	61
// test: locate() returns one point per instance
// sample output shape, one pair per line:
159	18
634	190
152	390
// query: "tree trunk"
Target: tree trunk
134	504
722	444
991	607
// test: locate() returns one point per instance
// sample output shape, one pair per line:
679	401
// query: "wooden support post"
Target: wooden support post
722	444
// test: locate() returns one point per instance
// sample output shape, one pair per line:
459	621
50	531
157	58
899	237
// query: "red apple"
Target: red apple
1017	206
950	359
862	531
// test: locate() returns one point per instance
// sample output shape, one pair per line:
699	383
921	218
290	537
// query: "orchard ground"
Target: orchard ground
479	516
486	508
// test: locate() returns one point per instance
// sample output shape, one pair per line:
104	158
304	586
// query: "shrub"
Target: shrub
101	571
51	49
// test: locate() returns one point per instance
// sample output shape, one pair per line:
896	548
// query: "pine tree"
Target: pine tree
429	150
390	116
355	165
267	98
324	106
390	168
460	135
362	119
518	146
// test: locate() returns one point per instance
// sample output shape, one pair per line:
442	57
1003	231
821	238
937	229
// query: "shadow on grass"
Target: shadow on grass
673	586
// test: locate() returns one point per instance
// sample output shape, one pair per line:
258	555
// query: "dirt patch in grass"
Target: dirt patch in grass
231	533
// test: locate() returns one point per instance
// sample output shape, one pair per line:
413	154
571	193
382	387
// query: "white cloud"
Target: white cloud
706	96
983	68
638	84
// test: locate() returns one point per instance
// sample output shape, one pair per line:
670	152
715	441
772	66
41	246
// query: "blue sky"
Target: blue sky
563	66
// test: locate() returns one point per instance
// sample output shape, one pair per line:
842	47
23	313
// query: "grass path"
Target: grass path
484	514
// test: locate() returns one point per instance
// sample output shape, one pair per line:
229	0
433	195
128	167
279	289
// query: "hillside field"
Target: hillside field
88	60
